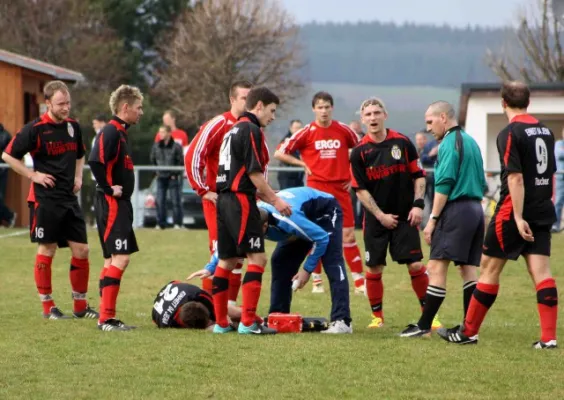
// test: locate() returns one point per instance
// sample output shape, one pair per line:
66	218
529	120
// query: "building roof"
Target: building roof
492	90
55	71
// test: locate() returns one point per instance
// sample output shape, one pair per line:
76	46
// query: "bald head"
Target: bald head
439	118
442	107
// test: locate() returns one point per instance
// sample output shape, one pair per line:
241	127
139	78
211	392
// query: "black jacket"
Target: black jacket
167	154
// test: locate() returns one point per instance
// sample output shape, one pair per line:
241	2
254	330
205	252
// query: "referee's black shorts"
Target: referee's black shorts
459	233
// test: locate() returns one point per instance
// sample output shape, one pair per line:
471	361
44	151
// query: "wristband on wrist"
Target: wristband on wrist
419	203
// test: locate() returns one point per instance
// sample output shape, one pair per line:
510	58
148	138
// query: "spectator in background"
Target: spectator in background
7	216
177	134
559	178
357	128
357	206
427	151
288	179
166	152
98	123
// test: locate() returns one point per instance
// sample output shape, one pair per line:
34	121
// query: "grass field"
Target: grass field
73	360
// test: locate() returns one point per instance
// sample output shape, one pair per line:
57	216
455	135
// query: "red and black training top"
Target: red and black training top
243	151
54	147
110	161
526	146
387	171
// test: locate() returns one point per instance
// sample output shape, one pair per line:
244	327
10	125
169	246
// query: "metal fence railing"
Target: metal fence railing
139	193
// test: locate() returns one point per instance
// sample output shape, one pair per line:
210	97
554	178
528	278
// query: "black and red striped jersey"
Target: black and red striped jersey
387	170
54	147
166	308
110	159
526	146
243	151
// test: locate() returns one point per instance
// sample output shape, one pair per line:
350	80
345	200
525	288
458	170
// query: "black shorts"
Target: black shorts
459	233
239	228
114	219
404	241
56	223
504	241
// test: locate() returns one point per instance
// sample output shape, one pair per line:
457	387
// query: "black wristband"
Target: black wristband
419	203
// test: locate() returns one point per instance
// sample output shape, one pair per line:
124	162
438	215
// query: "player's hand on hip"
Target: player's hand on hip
389	221
428	231
210	196
42	179
300	279
202	274
117	191
525	230
347	185
415	216
307	170
77	184
282	207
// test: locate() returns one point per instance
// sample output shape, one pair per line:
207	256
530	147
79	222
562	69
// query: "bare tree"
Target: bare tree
69	33
220	41
534	50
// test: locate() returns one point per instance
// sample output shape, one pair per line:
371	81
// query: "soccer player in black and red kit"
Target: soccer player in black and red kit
55	144
243	159
112	167
182	305
522	220
390	183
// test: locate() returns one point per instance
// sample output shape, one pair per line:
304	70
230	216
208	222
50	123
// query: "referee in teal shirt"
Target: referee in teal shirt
455	230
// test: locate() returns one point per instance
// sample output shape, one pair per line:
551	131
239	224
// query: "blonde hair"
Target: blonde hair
373	101
124	94
53	87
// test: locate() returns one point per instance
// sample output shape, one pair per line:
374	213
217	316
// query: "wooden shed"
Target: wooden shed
21	100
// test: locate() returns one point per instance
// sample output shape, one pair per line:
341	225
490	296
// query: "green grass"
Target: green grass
73	360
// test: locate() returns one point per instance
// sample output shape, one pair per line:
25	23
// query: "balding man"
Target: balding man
522	220
455	230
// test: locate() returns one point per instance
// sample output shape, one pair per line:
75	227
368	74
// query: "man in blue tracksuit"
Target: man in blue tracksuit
313	232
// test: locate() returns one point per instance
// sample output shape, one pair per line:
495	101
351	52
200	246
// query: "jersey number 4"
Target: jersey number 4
225	152
167	294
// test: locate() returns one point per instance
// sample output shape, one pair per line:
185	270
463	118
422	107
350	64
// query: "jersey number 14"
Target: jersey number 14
225	151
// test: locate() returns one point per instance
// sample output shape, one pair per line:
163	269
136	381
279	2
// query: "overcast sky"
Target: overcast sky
454	12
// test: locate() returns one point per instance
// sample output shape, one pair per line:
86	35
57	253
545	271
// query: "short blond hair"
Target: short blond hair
373	101
124	94
53	87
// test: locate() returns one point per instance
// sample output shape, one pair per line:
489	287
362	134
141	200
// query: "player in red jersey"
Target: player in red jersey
201	163
324	148
56	146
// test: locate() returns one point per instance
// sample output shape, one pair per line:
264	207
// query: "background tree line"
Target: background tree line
184	54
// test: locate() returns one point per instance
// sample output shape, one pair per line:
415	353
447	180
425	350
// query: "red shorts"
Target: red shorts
342	196
211	221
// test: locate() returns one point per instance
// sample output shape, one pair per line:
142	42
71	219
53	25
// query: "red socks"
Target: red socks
547	304
43	281
482	299
235	283
79	272
110	289
419	283
352	257
375	293
220	293
317	269
252	284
